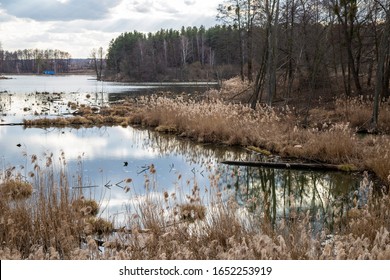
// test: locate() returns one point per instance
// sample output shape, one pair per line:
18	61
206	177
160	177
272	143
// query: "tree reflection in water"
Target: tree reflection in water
279	194
273	194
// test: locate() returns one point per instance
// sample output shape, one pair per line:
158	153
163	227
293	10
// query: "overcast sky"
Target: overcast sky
78	26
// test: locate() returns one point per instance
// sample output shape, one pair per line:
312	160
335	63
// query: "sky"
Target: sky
78	26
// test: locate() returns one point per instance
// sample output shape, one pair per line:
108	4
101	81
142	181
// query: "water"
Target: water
290	194
26	96
101	161
98	156
25	84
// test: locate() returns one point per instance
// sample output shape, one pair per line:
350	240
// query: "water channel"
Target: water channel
104	159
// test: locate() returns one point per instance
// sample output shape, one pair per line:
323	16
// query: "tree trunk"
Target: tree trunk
250	40
250	54
383	52
273	19
259	83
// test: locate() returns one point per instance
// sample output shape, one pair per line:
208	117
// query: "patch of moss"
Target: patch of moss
258	150
348	167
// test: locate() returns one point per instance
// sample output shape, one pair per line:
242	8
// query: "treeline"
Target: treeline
189	54
280	46
34	61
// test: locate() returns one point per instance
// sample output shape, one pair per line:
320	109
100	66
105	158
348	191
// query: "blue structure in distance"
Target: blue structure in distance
49	72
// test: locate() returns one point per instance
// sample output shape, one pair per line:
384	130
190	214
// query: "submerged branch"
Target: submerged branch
297	166
11	124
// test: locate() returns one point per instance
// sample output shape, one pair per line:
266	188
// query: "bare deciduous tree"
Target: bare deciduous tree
383	53
97	56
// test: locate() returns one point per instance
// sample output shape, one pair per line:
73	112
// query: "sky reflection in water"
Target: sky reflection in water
99	154
29	96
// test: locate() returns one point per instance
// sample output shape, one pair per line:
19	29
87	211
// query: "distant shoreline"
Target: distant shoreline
199	82
4	75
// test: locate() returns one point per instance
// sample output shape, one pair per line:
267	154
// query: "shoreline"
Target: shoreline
219	123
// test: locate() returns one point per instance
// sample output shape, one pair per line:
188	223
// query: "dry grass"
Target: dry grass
15	190
192	212
269	129
53	224
44	219
229	232
87	207
377	152
357	111
329	135
234	90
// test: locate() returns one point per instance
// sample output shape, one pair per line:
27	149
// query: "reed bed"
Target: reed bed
42	217
322	135
277	130
53	223
166	228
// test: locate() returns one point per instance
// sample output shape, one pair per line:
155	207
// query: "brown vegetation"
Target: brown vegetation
167	228
51	225
326	133
45	219
15	190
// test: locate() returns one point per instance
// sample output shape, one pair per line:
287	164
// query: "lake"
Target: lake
23	96
25	84
100	161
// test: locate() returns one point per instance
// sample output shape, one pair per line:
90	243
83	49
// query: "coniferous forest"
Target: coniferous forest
294	46
305	46
188	54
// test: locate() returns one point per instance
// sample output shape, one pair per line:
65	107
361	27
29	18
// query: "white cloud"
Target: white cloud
70	144
78	26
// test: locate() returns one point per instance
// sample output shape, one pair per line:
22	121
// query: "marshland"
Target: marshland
266	136
95	174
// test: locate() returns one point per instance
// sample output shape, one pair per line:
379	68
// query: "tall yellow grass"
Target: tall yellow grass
164	229
53	224
43	218
275	130
327	136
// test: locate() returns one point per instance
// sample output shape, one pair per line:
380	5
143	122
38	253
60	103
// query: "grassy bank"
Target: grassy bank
276	130
43	217
324	133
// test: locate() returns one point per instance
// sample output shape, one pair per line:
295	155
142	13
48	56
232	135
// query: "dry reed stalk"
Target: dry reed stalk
49	223
223	232
276	130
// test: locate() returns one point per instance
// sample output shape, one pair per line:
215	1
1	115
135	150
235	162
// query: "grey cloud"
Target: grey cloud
143	6
189	2
148	6
4	17
178	22
50	10
82	26
166	8
143	9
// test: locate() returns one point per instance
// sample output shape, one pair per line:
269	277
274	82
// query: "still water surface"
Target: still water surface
23	96
24	84
102	159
